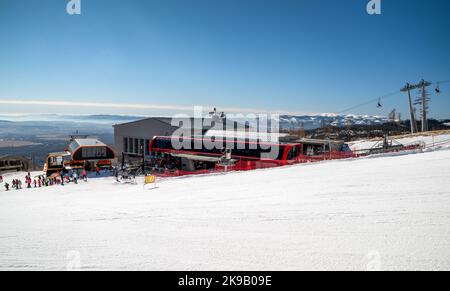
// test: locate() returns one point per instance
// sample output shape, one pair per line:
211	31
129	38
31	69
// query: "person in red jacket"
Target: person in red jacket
28	181
84	175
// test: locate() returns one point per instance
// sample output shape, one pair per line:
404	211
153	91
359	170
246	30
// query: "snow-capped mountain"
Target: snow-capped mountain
318	120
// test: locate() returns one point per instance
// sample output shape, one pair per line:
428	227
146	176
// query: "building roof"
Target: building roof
166	120
246	135
12	157
193	120
103	151
58	154
89	142
319	141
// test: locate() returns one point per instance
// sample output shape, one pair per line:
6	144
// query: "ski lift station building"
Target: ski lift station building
82	153
90	149
133	138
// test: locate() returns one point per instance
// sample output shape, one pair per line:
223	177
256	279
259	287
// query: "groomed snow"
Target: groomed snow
390	213
429	140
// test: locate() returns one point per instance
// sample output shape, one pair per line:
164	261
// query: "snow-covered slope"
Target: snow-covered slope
381	213
430	140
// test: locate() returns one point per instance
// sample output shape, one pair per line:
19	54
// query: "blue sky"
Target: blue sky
288	55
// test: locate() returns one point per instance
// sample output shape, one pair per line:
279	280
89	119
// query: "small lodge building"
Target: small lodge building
90	153
14	164
82	153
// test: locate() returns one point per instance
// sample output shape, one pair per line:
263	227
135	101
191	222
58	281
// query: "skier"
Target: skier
62	178
28	181
97	171
75	178
84	175
7	186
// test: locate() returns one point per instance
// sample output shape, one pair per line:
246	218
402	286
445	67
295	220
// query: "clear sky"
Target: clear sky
290	55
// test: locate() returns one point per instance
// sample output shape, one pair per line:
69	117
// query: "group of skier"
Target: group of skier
61	178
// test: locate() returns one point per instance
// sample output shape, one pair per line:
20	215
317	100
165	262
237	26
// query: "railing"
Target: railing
245	165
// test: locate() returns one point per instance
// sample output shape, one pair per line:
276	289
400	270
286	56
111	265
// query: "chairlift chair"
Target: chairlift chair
379	104
438	90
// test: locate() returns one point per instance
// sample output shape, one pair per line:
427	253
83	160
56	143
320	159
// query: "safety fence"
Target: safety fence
248	165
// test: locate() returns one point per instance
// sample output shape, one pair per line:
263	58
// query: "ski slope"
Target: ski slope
389	213
431	141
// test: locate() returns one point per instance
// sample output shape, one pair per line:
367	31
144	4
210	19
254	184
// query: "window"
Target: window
293	153
147	147
141	147
56	161
130	145
125	145
94	152
136	146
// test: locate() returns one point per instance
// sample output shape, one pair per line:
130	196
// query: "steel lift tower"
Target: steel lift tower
423	100
408	89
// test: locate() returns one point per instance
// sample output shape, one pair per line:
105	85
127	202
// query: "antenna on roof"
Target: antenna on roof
215	115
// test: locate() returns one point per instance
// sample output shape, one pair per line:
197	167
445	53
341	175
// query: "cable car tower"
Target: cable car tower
412	110
423	100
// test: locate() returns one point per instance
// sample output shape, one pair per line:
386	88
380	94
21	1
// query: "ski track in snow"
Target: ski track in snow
388	213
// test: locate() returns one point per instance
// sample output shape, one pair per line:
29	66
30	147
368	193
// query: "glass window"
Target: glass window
125	145
147	147
93	152
141	147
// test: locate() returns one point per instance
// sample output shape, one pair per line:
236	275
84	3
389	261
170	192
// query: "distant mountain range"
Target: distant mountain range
286	121
319	120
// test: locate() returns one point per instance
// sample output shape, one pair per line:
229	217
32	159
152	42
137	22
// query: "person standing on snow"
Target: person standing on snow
84	175
7	186
28	181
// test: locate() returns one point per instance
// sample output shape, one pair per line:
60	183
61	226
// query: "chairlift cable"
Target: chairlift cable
379	99
385	97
